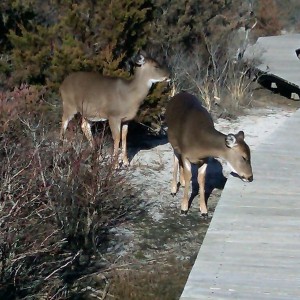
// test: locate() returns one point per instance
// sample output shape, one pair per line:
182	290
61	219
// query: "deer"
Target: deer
194	139
99	98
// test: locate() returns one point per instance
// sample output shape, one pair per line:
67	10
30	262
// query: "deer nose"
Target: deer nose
247	179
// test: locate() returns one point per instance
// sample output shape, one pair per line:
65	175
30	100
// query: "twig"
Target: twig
63	266
105	291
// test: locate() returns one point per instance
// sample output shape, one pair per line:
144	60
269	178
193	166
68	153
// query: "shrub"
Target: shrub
56	210
48	44
224	82
22	101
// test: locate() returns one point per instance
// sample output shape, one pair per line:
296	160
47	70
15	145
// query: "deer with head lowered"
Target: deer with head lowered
194	139
98	98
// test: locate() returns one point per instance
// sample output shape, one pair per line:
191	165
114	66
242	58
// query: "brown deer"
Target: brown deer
194	139
98	98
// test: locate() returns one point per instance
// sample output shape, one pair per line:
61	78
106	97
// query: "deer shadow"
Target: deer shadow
139	138
214	178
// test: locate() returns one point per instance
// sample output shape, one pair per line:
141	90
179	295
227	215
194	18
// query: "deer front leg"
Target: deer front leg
86	128
187	173
115	127
201	181
124	144
64	124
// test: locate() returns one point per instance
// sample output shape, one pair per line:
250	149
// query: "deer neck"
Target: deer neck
139	87
214	144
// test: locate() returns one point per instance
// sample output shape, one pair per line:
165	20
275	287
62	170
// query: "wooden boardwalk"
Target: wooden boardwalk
252	247
279	61
277	56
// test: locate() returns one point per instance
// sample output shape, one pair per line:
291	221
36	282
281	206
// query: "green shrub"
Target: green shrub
76	35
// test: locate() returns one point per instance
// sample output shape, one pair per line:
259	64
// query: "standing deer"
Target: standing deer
99	98
194	139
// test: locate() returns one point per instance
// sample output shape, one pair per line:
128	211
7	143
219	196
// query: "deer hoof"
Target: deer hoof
173	194
204	215
184	212
125	163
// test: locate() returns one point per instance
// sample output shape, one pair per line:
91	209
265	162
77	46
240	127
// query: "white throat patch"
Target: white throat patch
151	81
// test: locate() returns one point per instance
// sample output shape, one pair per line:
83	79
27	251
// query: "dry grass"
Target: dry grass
222	80
151	281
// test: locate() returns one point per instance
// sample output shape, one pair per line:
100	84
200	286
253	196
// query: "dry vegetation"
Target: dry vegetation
57	206
59	203
227	82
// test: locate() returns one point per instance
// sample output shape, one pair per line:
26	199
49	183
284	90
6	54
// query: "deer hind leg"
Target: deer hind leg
181	175
187	173
201	181
174	185
86	128
177	166
124	144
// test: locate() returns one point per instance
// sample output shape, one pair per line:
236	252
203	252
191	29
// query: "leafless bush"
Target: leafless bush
223	80
238	84
56	210
191	74
22	100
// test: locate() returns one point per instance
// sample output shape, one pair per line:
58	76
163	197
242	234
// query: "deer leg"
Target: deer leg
187	173
181	175
115	128
124	144
201	181
64	125
175	172
86	128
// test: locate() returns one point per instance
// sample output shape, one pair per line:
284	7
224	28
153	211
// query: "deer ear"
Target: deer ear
240	135
140	60
230	140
